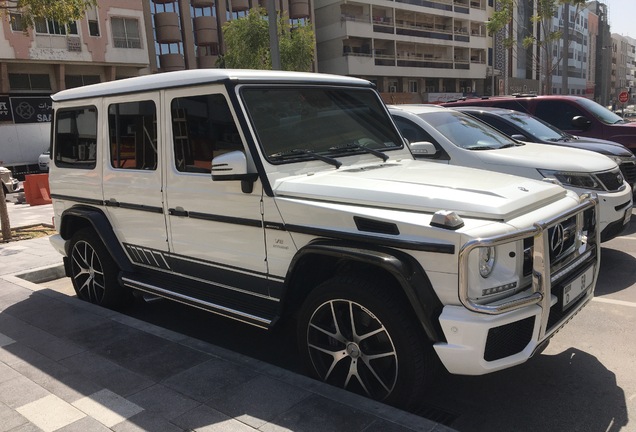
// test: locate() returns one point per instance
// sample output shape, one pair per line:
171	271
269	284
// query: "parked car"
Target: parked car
269	197
525	127
458	139
9	183
573	114
44	160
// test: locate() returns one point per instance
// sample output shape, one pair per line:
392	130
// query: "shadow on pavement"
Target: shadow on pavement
154	379
571	391
617	272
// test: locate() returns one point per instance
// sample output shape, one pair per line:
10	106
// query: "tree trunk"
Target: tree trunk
4	217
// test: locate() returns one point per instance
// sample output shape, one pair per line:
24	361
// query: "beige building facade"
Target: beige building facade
420	50
109	43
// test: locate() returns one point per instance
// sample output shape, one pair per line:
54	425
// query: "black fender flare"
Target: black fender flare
403	267
99	222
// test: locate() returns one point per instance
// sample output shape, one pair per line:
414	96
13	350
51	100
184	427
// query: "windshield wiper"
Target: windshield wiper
480	148
511	145
562	139
300	152
352	146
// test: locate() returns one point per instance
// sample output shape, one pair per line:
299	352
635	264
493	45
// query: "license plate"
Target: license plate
574	290
628	216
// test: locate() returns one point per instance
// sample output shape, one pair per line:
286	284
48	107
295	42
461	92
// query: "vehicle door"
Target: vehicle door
215	228
560	113
132	175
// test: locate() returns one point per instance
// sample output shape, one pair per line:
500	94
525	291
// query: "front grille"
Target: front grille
509	339
628	169
612	180
561	239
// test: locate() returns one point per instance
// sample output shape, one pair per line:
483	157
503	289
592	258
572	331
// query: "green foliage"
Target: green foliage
63	11
247	43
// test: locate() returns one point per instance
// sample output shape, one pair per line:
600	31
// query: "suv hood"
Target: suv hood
425	187
601	146
546	156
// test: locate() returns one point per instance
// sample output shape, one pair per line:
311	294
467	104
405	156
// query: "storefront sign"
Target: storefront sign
31	109
5	109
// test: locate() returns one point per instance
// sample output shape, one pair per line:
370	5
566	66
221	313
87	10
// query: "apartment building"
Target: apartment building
413	50
187	34
109	43
622	61
577	52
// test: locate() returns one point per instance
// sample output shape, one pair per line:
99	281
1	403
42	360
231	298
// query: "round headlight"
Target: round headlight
486	261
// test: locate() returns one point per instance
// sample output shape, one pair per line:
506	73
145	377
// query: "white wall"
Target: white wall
21	144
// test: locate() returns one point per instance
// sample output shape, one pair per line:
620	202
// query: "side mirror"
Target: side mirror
423	149
519	137
581	123
232	166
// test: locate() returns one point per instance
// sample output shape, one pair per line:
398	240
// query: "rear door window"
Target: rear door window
558	113
76	138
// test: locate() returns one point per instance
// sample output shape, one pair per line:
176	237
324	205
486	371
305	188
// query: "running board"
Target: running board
182	296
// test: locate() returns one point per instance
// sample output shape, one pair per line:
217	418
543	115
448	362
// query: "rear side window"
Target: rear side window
76	138
557	113
499	124
202	128
132	129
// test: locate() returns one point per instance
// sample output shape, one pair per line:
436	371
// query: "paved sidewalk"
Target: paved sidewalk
67	365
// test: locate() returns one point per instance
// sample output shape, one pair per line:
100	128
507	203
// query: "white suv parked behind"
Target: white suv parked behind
263	195
447	136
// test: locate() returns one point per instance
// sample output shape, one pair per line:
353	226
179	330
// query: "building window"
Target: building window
413	88
93	23
29	81
125	32
93	27
16	22
44	26
72	81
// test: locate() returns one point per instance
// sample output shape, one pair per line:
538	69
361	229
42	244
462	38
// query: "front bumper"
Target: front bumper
613	208
482	338
477	344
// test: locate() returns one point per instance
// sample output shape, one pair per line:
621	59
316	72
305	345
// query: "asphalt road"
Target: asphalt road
584	381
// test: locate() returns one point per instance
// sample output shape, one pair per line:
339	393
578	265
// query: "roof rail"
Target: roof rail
518	95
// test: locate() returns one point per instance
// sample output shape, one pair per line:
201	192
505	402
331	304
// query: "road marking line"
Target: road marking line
616	302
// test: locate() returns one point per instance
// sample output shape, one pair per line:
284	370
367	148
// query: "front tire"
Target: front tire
358	334
94	272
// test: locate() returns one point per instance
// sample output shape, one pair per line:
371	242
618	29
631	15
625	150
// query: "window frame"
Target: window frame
130	41
56	140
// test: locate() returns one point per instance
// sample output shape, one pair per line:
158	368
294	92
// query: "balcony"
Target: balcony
167	27
205	30
298	9
171	62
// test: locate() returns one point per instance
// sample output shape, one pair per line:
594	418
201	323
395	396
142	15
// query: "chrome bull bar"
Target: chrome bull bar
541	285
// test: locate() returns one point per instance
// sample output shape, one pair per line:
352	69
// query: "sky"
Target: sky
622	15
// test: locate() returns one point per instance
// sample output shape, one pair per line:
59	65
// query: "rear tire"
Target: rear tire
355	333
94	273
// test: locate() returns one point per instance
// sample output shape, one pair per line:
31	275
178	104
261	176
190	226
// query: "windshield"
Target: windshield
535	126
466	132
600	112
299	122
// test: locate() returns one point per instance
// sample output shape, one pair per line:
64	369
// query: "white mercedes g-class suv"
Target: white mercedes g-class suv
261	195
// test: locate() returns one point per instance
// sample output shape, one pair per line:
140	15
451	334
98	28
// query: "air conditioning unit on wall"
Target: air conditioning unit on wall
392	89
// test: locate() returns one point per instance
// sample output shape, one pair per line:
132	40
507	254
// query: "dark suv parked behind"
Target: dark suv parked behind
573	114
524	127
